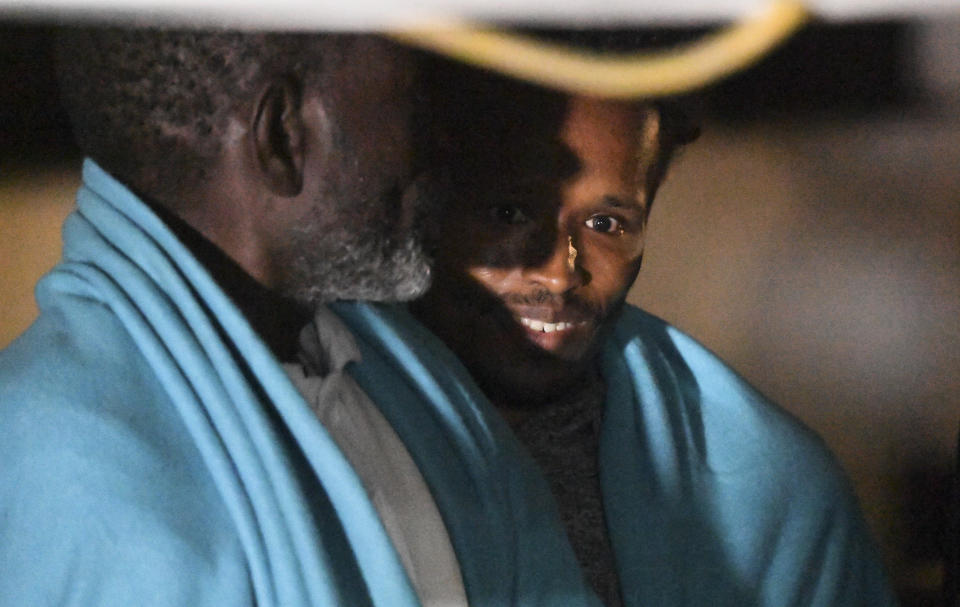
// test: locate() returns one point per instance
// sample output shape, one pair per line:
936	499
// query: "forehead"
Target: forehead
509	136
610	132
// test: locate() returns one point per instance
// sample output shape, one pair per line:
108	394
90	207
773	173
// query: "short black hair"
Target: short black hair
451	91
461	107
151	106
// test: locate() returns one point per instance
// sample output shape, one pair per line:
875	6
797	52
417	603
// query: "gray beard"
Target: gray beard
364	264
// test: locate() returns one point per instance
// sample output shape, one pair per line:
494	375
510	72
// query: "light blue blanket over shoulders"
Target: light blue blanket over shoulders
153	452
713	496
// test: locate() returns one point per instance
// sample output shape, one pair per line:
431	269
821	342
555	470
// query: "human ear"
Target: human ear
279	137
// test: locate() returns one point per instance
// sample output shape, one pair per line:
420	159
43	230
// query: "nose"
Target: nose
560	271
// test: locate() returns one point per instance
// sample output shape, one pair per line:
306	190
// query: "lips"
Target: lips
564	332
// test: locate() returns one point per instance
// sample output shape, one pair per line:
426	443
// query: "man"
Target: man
154	450
171	436
677	484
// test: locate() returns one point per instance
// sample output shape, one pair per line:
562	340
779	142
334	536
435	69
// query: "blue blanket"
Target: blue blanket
153	452
712	495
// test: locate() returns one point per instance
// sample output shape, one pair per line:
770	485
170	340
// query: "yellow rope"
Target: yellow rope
648	74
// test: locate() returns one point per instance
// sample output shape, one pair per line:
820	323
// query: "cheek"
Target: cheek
469	257
470	243
384	154
493	280
611	274
377	136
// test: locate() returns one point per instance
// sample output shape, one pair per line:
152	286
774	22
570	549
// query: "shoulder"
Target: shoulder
711	449
101	491
74	374
735	426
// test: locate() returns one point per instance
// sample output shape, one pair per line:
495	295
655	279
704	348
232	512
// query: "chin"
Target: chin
524	383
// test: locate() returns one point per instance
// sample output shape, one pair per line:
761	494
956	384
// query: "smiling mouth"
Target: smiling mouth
548	327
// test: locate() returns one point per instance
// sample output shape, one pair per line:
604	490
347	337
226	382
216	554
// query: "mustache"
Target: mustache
570	303
471	294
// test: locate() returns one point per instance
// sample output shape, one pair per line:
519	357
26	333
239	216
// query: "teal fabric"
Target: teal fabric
141	464
153	452
713	496
497	506
716	497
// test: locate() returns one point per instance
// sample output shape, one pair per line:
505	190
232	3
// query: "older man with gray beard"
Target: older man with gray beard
155	451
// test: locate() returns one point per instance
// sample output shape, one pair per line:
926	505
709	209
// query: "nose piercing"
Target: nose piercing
571	254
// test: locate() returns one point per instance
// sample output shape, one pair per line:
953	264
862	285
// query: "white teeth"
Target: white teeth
546	327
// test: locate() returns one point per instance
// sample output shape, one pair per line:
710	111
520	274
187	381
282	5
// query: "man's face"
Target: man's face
541	241
361	237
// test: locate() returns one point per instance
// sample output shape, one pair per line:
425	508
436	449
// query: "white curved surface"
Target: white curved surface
380	14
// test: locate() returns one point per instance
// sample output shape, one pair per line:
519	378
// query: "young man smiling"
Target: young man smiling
545	238
676	483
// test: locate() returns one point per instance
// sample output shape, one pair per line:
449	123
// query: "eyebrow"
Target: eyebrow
617	202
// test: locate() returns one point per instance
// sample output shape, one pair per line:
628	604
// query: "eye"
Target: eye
605	224
508	213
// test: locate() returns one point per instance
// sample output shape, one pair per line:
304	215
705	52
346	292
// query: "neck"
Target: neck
276	319
517	407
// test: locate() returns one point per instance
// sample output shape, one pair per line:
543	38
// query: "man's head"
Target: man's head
290	152
543	230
